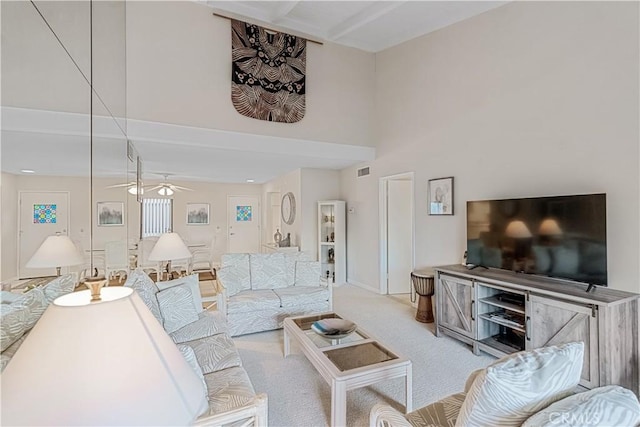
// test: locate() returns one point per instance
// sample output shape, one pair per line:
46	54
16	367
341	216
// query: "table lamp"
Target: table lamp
100	363
169	246
56	251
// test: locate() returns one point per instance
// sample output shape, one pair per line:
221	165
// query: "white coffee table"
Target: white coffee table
352	362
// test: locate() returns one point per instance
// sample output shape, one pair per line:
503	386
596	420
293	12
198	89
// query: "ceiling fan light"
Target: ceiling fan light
134	190
165	191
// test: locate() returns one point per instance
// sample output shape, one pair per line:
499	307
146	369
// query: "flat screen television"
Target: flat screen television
563	237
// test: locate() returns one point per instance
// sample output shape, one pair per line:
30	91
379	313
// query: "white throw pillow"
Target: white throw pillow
36	303
517	386
176	307
602	406
13	324
192	282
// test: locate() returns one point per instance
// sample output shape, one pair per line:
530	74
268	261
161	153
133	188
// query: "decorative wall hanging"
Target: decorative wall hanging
197	213
441	196
268	76
45	214
110	213
243	213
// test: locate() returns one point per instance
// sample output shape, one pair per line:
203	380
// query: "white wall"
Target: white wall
317	185
529	99
179	71
290	182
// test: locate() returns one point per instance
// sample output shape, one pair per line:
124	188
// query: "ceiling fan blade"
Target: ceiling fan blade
179	187
157	187
128	184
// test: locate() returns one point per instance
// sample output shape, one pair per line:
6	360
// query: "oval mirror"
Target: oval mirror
288	208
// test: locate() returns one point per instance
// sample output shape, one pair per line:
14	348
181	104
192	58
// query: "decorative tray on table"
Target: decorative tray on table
334	328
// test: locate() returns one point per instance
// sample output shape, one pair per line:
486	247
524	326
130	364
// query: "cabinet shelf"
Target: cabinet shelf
503	322
496	302
494	343
327	243
332	233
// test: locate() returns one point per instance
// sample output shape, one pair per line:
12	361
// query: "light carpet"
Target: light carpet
299	397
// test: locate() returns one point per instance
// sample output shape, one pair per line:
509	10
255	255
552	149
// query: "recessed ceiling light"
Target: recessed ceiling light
27	171
251	180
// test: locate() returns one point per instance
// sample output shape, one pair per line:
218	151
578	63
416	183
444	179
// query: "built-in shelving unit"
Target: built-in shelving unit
332	240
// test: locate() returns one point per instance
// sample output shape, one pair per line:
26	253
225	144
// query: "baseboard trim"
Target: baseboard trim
363	286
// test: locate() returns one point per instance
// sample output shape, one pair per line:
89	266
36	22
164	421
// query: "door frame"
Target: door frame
258	197
19	234
384	225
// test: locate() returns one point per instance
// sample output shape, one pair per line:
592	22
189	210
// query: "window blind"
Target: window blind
157	216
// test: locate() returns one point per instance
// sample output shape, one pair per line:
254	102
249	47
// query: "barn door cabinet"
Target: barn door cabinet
501	312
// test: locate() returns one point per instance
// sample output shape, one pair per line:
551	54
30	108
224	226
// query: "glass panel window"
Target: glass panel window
157	217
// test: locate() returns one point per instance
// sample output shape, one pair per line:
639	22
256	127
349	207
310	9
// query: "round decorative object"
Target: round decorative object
333	328
288	208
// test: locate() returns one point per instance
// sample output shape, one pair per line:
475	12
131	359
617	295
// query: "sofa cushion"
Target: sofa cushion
176	307
510	390
441	413
192	282
301	295
252	301
190	357
215	353
59	286
307	273
268	271
228	389
208	323
234	273
139	281
602	406
7	297
8	353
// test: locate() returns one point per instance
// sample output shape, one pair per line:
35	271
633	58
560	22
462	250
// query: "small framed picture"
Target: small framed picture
110	214
197	213
441	196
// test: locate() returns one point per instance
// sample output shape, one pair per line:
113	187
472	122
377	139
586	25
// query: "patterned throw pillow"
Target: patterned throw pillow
307	273
176	307
13	324
192	281
602	406
517	386
139	281
234	274
59	286
36	303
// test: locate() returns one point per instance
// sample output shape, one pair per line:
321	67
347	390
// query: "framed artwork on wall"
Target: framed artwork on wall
197	213
440	192
110	214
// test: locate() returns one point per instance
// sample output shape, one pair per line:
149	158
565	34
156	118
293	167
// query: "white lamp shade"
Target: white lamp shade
168	247
549	227
518	230
104	363
56	251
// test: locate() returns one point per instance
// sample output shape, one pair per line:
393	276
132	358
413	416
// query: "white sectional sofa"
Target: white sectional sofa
203	339
258	291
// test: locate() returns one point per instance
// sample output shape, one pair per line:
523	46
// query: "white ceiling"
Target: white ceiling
55	143
368	25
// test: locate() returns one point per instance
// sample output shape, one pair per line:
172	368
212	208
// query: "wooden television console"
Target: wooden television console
501	312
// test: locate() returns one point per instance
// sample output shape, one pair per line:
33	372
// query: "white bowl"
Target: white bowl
333	328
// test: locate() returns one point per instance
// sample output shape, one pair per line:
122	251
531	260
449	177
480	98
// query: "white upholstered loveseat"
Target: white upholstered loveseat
258	291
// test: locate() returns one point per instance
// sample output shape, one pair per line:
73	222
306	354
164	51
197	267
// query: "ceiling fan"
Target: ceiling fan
132	187
167	189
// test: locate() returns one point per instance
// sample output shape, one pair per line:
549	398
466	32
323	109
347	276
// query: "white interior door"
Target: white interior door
399	236
243	217
42	214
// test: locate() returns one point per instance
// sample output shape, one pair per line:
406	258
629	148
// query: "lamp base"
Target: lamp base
95	284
